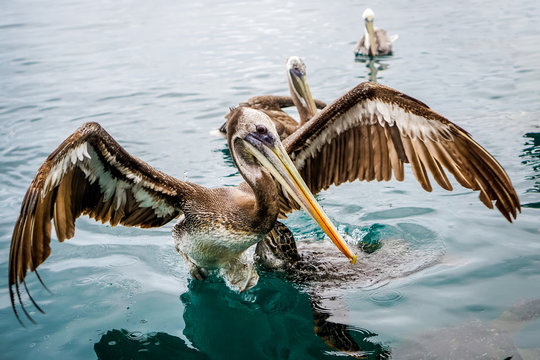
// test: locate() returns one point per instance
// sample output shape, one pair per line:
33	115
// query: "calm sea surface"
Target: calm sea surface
159	76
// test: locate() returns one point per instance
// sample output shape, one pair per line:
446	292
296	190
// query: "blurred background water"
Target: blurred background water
160	76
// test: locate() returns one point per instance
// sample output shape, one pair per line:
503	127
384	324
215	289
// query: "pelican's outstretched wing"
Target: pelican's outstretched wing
274	102
89	173
371	131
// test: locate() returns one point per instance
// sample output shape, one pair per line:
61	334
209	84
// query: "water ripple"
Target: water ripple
117	97
386	297
177	95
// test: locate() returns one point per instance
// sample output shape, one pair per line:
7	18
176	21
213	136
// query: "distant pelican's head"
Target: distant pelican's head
368	15
296	74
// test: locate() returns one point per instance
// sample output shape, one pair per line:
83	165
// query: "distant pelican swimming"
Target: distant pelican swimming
273	105
375	41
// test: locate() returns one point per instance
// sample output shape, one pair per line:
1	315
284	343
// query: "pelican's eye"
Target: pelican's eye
261	135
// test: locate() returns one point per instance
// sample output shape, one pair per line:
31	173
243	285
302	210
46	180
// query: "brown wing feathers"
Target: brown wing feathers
274	102
371	131
88	173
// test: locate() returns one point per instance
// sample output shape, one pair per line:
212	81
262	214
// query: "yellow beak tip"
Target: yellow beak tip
353	259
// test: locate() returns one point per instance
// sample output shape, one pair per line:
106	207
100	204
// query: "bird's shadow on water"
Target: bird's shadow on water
274	320
374	64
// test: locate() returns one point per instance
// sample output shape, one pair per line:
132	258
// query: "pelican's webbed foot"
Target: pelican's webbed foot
240	273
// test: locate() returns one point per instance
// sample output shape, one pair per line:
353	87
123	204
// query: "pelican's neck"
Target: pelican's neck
303	111
303	107
370	41
263	186
367	44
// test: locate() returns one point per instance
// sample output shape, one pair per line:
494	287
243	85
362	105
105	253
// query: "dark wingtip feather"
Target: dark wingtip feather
42	283
13	307
32	299
503	210
22	304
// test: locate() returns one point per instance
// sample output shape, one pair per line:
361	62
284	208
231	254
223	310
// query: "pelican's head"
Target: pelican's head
296	75
243	122
254	144
368	16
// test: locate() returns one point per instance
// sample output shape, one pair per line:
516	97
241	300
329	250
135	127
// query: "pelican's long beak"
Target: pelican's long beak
274	158
371	34
301	88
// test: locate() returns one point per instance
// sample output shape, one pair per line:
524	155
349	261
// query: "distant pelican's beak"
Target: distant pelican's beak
301	88
274	158
371	34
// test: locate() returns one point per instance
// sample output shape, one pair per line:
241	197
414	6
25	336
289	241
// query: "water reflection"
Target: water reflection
274	320
121	344
531	155
296	313
374	65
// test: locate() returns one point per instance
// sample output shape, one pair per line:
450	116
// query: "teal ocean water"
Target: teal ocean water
160	76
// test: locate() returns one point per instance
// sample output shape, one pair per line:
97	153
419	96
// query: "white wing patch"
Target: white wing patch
371	112
77	154
85	158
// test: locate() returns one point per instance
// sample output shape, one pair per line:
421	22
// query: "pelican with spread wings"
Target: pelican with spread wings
369	133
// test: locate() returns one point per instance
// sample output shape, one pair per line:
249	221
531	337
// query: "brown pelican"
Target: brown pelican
366	134
91	174
272	105
375	41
